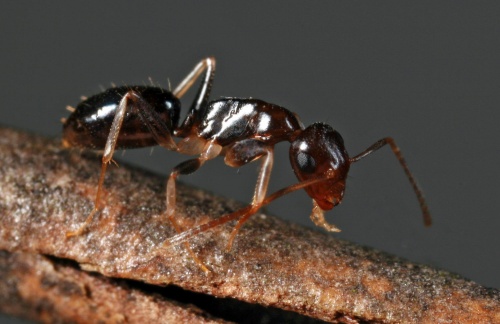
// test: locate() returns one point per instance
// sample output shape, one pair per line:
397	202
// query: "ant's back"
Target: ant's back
229	120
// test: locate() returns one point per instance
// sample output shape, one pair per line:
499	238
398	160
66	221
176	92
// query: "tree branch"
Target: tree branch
51	291
47	191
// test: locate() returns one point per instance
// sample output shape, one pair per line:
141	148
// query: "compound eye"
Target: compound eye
305	162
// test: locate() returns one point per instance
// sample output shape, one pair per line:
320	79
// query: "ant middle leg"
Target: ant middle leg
157	127
179	238
189	144
210	150
239	154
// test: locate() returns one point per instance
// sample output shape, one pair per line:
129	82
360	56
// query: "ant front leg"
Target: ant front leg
159	130
242	153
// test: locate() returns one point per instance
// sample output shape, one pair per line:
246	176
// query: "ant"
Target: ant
240	129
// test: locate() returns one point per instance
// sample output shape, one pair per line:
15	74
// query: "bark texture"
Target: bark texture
45	290
47	191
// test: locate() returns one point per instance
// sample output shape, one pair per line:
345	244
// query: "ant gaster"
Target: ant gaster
240	129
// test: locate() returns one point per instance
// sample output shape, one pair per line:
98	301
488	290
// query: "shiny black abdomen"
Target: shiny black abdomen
89	125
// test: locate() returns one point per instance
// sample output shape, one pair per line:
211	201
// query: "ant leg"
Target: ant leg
159	130
179	238
244	152
207	64
210	151
395	149
201	98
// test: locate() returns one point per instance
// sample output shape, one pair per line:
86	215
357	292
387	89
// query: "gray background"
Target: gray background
426	73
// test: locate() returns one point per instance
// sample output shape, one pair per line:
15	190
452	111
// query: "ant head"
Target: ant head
319	152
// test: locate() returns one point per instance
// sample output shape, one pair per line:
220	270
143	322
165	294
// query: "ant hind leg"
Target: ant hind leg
207	67
159	130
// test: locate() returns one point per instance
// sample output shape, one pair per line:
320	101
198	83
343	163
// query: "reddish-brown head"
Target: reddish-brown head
319	152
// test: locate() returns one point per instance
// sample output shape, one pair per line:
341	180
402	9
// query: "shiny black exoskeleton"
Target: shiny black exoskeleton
88	126
242	130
